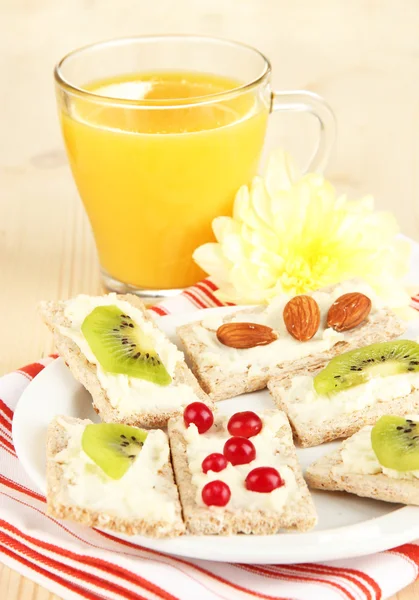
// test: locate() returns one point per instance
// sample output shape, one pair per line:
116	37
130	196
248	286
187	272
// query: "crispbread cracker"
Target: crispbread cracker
221	383
200	520
85	372
57	440
314	433
324	475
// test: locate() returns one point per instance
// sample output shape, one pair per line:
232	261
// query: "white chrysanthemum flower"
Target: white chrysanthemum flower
292	234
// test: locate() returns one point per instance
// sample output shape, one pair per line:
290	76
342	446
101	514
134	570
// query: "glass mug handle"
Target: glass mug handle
303	101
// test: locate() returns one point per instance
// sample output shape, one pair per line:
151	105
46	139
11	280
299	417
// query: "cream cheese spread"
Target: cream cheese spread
359	457
304	404
269	453
141	493
285	348
130	394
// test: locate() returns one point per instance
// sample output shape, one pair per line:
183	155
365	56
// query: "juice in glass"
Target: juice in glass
153	175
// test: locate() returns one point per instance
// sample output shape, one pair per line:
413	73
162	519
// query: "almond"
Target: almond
245	335
302	317
348	311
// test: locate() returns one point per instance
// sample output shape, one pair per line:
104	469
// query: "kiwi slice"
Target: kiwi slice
357	366
112	446
395	441
121	347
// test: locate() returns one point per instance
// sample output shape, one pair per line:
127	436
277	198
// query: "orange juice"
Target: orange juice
154	173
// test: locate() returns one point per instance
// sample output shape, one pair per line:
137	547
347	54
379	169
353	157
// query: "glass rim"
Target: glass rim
69	87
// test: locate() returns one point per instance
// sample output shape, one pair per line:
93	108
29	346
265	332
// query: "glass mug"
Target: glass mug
161	131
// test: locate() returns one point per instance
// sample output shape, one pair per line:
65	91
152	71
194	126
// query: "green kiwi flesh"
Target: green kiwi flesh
358	366
120	346
395	441
113	446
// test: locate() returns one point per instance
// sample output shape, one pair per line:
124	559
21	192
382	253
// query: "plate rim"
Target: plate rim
379	533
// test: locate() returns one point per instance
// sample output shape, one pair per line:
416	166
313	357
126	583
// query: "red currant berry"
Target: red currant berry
216	493
264	480
239	451
200	415
245	424
214	462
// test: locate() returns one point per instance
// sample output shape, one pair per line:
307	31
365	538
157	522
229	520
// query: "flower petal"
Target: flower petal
210	258
224	226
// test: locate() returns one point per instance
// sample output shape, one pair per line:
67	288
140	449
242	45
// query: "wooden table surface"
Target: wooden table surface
363	56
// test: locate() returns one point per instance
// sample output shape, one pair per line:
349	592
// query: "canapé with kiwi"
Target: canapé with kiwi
354	389
134	373
380	461
112	476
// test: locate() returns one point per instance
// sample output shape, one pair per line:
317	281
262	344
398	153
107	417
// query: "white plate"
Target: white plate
348	526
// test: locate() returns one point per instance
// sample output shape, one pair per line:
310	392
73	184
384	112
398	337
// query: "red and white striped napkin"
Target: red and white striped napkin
76	562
